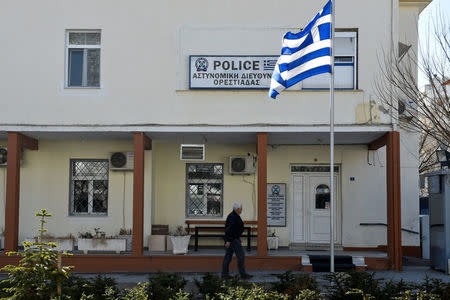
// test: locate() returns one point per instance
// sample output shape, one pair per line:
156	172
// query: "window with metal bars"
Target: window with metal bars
89	186
204	190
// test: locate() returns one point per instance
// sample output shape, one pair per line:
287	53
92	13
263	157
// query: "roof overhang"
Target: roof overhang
277	135
421	4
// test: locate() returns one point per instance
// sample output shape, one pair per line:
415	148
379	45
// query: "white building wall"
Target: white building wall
145	45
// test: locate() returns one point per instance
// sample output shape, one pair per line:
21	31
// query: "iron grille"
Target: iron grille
308	169
204	190
89	187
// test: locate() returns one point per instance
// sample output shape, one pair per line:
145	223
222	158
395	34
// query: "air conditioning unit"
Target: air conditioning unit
3	156
242	165
192	152
407	109
121	161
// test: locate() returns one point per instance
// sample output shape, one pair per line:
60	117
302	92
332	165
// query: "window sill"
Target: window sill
83	87
206	218
88	216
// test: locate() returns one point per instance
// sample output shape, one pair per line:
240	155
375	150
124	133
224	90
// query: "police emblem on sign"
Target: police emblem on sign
201	64
276	190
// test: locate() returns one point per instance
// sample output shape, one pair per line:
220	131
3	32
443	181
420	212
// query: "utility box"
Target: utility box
439	208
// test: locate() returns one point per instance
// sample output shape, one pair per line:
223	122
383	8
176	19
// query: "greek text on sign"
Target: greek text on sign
276	204
230	72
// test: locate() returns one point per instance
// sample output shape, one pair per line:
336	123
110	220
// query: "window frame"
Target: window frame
90	213
206	216
69	46
347	33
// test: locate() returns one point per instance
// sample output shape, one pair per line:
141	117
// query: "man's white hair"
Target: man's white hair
237	205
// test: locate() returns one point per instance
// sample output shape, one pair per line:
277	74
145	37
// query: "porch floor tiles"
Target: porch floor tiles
219	251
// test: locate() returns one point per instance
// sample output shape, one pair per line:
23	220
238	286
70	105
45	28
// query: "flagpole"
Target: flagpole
332	141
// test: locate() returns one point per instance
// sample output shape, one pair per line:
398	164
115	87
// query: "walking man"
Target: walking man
233	231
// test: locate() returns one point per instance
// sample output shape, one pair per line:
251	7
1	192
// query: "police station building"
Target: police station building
121	116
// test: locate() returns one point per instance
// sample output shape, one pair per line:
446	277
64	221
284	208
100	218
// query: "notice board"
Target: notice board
276	204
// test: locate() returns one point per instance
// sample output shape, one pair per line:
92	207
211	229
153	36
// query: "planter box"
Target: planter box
129	239
157	243
272	242
63	244
115	245
180	244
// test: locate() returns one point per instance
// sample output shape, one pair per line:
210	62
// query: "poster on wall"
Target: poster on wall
276	204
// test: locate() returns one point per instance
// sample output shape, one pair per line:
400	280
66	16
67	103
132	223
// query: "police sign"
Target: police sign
230	72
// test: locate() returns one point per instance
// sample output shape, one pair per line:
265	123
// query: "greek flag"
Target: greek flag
304	54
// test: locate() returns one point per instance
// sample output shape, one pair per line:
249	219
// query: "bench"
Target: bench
211	229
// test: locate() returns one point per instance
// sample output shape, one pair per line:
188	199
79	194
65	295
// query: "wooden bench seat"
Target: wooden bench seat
216	228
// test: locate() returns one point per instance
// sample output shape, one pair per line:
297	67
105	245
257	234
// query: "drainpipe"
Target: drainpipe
394	51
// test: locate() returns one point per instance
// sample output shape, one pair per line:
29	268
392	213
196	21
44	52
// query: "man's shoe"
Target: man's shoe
226	276
246	276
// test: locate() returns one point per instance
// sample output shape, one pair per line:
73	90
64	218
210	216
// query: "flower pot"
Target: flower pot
180	244
115	245
62	244
272	242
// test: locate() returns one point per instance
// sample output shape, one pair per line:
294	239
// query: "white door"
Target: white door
318	200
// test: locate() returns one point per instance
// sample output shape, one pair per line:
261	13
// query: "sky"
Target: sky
426	17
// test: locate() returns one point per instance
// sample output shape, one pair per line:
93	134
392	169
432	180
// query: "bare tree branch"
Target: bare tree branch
425	111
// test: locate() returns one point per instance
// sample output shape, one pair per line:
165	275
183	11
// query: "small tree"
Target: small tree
39	273
426	111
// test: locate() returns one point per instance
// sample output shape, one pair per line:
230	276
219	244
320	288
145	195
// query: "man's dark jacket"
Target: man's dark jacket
233	227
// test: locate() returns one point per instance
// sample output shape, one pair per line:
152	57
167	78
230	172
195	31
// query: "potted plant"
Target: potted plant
64	243
180	240
128	236
272	241
100	242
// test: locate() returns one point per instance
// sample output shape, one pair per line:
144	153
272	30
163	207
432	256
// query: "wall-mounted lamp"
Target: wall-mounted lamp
443	157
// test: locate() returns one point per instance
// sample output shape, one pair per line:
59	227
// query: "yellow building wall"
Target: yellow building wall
170	182
362	200
45	183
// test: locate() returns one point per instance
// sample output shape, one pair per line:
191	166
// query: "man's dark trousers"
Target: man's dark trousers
236	247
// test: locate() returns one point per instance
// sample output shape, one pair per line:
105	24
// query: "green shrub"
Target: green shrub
359	294
98	286
417	295
293	284
435	286
163	286
309	295
4	284
342	283
37	275
391	289
237	281
74	287
210	285
254	293
181	296
139	292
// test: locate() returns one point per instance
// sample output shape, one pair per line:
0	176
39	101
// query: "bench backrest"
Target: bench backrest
216	222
